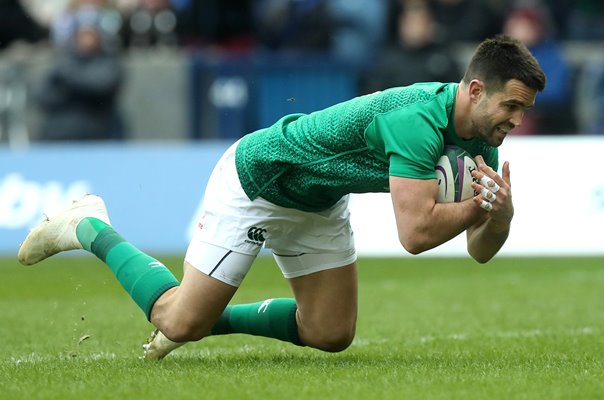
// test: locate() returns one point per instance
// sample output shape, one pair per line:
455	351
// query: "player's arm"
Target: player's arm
422	222
486	237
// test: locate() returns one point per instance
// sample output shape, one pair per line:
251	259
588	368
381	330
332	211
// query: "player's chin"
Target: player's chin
496	138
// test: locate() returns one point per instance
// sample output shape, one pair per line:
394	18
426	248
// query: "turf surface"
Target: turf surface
428	329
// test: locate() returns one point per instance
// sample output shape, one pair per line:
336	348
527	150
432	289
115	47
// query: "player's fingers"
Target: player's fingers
488	195
479	161
506	172
485	205
483	167
489	183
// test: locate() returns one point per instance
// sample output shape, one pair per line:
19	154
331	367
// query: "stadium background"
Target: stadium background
185	101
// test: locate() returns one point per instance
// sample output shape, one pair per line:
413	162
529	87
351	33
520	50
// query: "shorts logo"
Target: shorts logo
256	235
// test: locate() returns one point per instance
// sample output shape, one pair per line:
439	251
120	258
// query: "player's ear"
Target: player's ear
475	90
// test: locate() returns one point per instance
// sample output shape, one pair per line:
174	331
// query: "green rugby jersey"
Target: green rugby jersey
309	161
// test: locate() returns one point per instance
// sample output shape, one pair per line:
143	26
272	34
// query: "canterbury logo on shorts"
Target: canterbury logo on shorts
256	235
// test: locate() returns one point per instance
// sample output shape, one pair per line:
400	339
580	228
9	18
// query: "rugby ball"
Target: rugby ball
454	175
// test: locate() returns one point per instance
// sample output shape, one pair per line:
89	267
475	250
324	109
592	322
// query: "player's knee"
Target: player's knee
334	340
183	330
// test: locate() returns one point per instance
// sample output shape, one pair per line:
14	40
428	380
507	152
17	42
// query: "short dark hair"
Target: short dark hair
500	59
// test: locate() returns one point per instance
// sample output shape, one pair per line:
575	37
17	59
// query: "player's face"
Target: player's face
497	113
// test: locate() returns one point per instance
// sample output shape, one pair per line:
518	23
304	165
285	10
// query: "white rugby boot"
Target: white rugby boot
158	346
58	233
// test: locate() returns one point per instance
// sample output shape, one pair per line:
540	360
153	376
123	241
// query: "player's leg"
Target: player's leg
318	257
327	307
322	315
197	307
188	312
212	274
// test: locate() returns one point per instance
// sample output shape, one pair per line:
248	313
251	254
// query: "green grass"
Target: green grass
428	329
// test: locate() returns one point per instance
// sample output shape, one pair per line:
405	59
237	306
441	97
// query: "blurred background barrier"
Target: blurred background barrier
153	192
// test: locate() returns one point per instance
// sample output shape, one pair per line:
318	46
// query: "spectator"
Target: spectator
552	114
110	22
416	56
78	96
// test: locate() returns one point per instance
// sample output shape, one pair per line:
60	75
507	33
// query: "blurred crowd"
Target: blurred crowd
393	42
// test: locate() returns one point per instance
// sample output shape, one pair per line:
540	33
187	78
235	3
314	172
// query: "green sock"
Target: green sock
273	318
143	277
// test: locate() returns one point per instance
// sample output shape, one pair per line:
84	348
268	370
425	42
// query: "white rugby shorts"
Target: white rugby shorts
232	230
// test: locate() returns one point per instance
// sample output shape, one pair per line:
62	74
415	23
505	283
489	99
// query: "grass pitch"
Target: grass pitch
428	329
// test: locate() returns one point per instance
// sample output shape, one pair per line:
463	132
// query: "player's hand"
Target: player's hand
494	191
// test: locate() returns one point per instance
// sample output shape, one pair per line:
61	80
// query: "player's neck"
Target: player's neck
462	116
